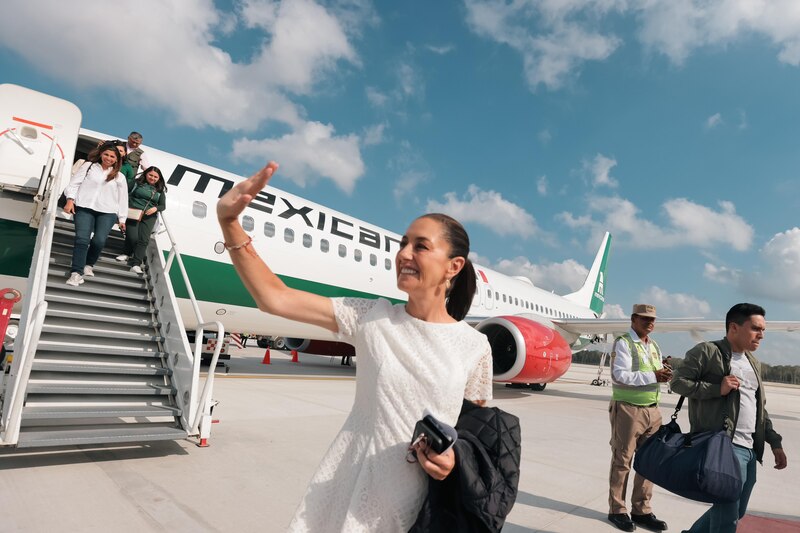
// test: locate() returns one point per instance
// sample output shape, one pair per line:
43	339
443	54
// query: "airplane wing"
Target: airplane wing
600	326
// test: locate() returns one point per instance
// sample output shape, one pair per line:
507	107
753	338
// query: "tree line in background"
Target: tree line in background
775	374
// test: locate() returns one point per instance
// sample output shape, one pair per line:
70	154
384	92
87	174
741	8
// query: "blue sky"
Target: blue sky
540	124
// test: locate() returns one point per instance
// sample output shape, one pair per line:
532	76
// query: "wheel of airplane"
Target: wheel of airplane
262	342
279	343
538	386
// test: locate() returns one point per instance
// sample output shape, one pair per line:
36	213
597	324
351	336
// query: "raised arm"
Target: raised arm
270	293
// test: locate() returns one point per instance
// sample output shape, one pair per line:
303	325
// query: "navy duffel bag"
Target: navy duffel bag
698	466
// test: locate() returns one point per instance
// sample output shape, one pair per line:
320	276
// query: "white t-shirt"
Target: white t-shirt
748	385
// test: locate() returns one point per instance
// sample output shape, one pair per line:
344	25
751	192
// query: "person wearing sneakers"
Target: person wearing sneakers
636	377
98	198
147	196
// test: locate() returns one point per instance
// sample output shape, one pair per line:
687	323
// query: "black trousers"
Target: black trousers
137	235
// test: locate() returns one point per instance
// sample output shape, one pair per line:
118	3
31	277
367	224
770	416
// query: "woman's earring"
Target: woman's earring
447	284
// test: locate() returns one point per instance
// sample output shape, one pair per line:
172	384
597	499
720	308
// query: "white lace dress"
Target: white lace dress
404	366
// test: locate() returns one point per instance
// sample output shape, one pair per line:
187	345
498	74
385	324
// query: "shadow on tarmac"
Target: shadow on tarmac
14	458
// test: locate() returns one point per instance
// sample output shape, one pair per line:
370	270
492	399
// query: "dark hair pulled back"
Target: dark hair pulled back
462	286
160	186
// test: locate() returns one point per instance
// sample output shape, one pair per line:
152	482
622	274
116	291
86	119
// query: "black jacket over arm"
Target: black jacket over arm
481	490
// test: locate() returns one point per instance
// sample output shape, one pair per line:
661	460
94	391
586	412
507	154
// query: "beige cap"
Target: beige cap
644	310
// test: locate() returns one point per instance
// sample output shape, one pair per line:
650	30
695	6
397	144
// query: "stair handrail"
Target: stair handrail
204	401
11	433
37	282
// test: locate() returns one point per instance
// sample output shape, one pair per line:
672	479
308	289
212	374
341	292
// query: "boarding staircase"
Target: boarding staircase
107	361
100	372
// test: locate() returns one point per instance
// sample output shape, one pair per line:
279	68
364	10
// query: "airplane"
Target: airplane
532	332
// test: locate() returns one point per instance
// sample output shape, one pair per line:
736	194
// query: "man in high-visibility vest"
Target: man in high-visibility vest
636	377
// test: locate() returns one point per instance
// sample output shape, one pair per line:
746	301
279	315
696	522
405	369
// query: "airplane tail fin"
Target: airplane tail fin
592	293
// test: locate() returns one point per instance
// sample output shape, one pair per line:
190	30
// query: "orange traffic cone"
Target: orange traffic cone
294	357
265	361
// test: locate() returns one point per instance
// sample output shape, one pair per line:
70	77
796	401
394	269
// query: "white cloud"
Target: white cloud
688	224
614	311
679	27
375	97
441	50
742	120
563	277
557	37
489	209
778	275
713	121
541	186
408	182
409	80
564	43
310	152
544	136
566	276
677	305
179	66
721	274
600	169
374	134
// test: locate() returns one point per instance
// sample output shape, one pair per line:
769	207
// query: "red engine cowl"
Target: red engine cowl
319	347
525	351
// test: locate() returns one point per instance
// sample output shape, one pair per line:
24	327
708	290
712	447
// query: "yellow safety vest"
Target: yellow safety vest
640	362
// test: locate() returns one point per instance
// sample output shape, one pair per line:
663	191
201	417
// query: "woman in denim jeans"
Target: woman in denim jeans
97	195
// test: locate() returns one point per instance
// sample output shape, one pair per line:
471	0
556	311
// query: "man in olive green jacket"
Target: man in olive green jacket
725	391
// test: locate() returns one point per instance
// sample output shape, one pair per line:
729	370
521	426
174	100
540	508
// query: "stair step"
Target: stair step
61	345
88	301
92	330
73	435
35	412
97	288
102	269
66	233
89	368
115	317
110	281
51	387
107	255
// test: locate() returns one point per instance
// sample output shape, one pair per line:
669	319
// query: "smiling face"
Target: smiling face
423	262
122	151
152	177
108	158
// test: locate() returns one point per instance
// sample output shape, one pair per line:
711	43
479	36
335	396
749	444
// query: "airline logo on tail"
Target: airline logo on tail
598	296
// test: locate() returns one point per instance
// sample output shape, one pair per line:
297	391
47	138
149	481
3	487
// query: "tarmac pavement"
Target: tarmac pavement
277	420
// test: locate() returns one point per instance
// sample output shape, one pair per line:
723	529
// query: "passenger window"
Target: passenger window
504	298
248	223
199	209
324	246
489	293
387	263
307	240
288	235
342	250
357	255
373	260
269	229
516	301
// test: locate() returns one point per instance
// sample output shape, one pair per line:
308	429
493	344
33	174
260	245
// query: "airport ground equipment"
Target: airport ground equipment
107	361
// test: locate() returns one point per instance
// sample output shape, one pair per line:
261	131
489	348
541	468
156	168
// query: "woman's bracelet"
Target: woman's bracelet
238	246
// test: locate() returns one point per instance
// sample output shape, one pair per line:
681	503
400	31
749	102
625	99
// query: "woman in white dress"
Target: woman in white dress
411	357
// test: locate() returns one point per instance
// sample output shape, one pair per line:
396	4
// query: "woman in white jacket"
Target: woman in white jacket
97	195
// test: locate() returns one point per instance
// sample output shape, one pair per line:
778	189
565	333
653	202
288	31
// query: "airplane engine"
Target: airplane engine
525	351
319	347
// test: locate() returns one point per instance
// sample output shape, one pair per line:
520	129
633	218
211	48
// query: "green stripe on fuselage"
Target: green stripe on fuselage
213	281
17	242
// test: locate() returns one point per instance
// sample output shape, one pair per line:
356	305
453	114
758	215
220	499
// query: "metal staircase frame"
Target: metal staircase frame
196	408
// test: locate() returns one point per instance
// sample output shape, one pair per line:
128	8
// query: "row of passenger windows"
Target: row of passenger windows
528	305
200	210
